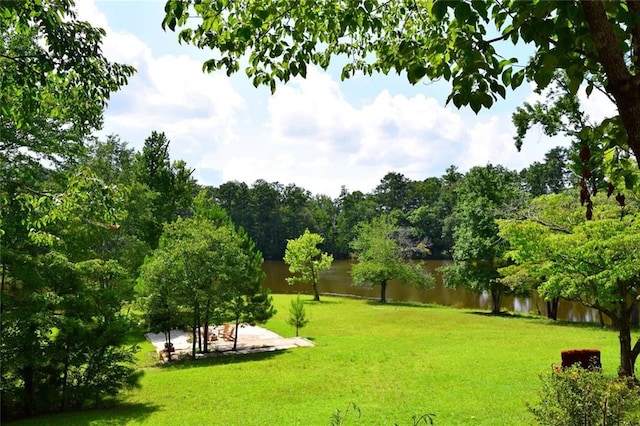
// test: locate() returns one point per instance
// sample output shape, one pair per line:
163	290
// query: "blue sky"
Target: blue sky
319	133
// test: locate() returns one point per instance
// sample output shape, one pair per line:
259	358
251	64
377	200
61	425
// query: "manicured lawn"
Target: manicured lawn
393	361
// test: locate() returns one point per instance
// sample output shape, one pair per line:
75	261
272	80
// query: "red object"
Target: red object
589	359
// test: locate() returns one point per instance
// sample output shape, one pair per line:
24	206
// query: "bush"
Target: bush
575	396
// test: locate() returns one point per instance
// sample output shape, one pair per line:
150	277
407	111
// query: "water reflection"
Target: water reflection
337	280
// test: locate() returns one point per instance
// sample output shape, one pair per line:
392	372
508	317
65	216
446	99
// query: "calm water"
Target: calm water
338	281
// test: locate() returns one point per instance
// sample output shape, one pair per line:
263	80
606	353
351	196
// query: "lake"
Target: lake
337	281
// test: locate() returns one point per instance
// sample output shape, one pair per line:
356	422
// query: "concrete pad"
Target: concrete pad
251	339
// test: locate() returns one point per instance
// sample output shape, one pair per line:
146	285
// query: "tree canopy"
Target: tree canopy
203	273
594	43
63	331
306	260
594	262
484	194
380	258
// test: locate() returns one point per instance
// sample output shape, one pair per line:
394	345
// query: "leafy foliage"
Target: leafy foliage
593	44
575	396
305	258
63	330
380	258
484	194
297	314
203	273
593	262
171	184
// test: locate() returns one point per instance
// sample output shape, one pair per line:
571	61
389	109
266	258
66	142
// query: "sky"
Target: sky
318	133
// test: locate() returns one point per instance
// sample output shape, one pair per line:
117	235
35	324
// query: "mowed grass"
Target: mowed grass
393	361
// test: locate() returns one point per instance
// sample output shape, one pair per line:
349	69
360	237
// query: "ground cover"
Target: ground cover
394	361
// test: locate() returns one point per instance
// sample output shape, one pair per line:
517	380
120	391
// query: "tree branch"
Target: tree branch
551	226
634	8
624	86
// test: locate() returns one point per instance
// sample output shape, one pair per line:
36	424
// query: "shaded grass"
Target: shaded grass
394	361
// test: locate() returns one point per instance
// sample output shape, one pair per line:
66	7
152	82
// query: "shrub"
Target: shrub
575	396
297	314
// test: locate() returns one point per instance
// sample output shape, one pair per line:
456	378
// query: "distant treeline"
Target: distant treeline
271	213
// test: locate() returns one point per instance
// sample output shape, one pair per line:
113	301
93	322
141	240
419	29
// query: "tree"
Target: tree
246	302
549	177
325	220
63	335
595	262
393	193
305	258
209	271
63	342
436	199
353	208
63	77
380	258
171	183
484	195
595	167
297	314
594	42
113	162
265	207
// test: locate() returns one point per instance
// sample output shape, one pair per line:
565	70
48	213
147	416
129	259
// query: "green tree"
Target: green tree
297	314
467	43
305	258
113	162
171	183
207	271
353	208
484	195
588	159
62	343
393	193
380	258
265	207
550	176
594	262
62	79
325	217
246	301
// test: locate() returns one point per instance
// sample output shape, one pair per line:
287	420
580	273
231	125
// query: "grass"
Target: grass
393	361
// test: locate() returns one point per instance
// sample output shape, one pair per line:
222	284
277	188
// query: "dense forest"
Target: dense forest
272	212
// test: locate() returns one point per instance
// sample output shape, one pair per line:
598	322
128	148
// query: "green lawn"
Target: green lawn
393	361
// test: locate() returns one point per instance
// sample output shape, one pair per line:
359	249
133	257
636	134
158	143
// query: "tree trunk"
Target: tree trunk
316	295
235	334
383	291
496	298
65	374
194	326
196	331
206	326
29	390
167	338
552	308
621	83
627	356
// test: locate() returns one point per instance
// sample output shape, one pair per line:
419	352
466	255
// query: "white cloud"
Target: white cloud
308	133
320	141
597	105
169	93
